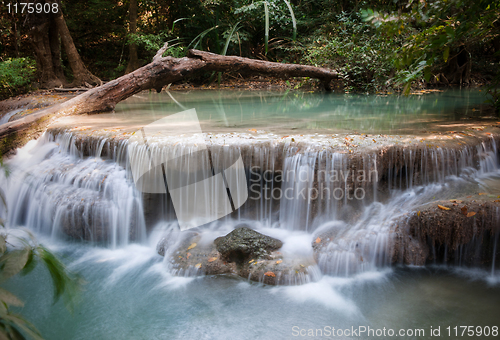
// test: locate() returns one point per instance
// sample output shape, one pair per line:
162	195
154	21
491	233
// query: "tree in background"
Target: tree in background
397	45
133	60
45	29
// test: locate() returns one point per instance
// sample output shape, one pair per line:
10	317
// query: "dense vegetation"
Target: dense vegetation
378	45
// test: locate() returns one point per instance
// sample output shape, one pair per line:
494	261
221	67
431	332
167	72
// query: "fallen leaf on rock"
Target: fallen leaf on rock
192	246
496	201
443	207
471	214
198	265
212	259
302	266
188	255
278	262
482	193
271	274
456	201
418	214
252	130
251	261
318	240
464	210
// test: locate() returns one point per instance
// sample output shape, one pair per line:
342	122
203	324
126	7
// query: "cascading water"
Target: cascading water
352	199
52	190
337	201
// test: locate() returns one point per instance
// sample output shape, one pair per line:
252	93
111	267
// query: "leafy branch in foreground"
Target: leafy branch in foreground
19	254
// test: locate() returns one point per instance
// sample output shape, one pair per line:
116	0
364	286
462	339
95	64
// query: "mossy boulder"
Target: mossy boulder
244	243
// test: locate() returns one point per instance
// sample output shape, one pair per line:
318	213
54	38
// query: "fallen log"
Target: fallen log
160	72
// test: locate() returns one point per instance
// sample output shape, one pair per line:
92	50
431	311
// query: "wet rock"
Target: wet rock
459	232
243	243
194	255
280	269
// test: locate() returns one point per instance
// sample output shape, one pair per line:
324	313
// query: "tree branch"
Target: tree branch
160	52
160	72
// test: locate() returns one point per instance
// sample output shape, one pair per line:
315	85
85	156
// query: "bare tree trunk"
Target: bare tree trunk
155	75
80	72
14	35
55	50
39	34
133	61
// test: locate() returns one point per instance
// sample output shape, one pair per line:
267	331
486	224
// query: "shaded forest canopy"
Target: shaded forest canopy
376	45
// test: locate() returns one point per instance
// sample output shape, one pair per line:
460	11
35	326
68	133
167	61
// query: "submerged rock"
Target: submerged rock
243	243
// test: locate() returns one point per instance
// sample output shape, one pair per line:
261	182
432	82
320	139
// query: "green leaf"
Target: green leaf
197	40
427	74
266	32
9	298
3	245
294	22
176	21
66	284
30	264
228	40
18	322
446	54
407	89
12	262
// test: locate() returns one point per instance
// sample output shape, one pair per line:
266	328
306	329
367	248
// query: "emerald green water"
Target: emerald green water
293	112
130	296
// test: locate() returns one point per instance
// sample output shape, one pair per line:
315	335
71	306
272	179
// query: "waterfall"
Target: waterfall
51	188
71	184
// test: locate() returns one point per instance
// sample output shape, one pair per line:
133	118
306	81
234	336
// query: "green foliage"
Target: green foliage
280	13
16	75
151	43
440	32
353	48
19	254
400	44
